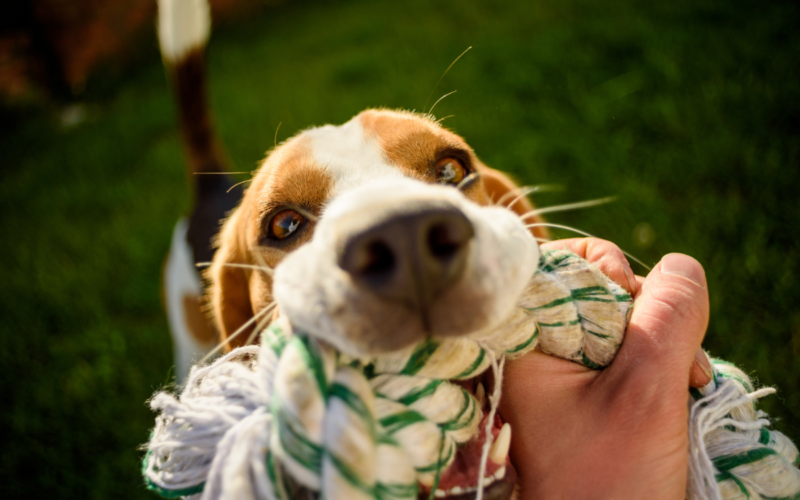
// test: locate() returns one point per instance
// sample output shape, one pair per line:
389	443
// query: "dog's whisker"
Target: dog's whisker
271	250
520	196
237	184
235	334
559	226
305	213
262	323
220	173
584	233
635	259
440	78
569	206
440	120
508	195
437	102
466	181
275	142
523	192
263	263
263	268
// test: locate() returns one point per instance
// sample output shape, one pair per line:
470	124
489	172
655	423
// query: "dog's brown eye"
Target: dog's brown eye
285	224
450	171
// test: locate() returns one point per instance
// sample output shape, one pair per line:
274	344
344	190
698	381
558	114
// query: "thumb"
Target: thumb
667	325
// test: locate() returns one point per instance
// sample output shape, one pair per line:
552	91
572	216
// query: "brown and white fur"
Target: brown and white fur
381	251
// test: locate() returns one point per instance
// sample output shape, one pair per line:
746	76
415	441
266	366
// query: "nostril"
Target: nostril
378	259
442	243
408	256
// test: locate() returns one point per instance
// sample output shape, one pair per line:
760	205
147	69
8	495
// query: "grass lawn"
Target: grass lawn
687	111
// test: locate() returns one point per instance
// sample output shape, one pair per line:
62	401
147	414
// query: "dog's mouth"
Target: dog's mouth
459	480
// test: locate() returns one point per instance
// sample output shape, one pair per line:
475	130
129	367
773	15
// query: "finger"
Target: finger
669	320
606	256
523	377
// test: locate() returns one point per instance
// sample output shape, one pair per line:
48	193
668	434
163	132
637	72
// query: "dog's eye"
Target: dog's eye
450	171
285	224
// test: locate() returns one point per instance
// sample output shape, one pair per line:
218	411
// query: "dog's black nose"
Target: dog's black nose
410	256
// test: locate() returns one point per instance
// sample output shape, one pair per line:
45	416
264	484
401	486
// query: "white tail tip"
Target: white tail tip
183	25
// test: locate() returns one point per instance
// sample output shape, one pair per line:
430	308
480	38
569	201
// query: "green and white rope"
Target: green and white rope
739	458
304	415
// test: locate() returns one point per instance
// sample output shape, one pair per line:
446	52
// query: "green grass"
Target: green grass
687	111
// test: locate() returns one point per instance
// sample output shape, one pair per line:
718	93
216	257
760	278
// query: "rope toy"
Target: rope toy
732	454
293	415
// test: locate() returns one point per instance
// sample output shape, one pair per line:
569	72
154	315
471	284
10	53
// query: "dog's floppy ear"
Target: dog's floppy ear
229	287
500	188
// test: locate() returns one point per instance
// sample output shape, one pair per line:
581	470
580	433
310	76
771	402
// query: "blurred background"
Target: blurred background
687	111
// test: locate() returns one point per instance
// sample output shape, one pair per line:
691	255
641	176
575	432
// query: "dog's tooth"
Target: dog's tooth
499	450
440	494
500	473
456	490
480	394
487	480
426	480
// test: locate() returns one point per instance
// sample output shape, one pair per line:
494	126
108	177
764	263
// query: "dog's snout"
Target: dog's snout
411	256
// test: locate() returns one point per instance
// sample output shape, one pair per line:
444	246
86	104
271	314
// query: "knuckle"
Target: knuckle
603	250
677	308
601	245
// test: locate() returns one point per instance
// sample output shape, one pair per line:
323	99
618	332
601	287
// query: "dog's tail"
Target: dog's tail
183	30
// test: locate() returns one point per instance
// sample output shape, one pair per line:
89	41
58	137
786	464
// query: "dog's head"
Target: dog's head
386	232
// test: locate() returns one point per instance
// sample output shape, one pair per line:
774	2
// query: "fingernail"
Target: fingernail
702	361
685	266
630	277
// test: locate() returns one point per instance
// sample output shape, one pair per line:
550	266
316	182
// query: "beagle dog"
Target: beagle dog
374	234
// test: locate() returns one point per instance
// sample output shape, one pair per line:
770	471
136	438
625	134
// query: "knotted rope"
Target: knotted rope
267	422
732	454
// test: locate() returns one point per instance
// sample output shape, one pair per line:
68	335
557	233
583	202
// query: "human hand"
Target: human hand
621	432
